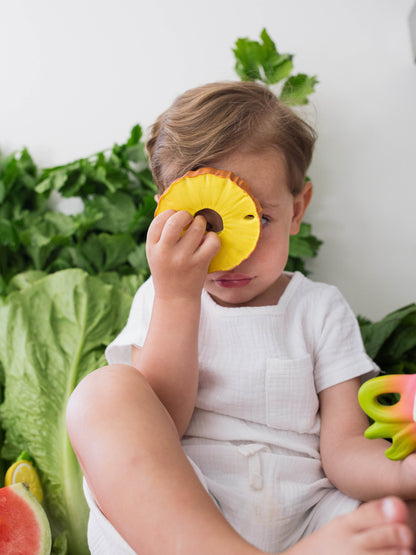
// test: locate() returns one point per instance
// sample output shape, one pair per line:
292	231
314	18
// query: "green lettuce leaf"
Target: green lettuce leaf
260	61
301	246
391	341
304	244
53	332
18	175
297	89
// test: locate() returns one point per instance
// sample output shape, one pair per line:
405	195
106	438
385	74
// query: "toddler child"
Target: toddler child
227	421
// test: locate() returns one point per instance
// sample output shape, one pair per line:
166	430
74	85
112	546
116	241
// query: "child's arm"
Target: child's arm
179	263
354	464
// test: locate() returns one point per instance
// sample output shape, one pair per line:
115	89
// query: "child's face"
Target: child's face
258	281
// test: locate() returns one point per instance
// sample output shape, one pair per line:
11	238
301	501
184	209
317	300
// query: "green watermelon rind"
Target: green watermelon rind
39	513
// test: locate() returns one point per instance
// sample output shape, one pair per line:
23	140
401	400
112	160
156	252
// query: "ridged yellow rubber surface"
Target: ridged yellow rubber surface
231	198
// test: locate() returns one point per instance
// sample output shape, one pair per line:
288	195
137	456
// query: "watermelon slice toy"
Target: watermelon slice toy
24	526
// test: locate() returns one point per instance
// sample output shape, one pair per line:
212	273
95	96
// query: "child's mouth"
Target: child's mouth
233	280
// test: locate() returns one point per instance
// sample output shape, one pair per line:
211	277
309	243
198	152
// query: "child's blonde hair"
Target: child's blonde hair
211	121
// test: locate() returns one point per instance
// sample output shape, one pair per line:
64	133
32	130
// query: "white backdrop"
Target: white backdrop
75	76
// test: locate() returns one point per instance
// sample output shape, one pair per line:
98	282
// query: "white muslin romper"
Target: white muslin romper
254	437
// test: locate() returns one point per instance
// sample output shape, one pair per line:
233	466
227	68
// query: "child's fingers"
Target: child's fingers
196	239
186	234
174	227
168	226
194	234
156	226
210	245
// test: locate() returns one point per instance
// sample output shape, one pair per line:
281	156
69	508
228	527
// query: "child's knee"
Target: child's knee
99	394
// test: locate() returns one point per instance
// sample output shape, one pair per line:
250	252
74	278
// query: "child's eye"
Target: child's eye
265	220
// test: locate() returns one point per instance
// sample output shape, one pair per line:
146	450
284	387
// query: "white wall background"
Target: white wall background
76	76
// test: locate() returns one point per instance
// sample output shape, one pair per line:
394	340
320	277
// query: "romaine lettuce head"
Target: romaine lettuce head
52	333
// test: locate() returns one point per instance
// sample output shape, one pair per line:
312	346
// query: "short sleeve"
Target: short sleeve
340	353
134	332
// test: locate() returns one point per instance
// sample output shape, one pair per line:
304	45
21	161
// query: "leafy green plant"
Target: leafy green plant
55	324
302	246
117	192
18	177
391	342
53	331
260	61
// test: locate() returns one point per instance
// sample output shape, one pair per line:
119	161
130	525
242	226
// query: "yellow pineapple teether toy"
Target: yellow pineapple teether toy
227	204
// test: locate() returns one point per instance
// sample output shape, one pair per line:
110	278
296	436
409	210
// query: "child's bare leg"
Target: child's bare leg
131	456
378	527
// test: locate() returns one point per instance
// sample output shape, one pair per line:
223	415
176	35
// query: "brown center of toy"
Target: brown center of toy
214	220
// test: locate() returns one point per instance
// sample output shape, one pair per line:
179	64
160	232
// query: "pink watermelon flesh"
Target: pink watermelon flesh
24	528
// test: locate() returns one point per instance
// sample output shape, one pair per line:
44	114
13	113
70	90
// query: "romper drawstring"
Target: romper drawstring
252	452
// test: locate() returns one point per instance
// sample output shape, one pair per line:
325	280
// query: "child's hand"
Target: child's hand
179	252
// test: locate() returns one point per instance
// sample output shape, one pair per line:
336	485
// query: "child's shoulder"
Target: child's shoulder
303	288
316	302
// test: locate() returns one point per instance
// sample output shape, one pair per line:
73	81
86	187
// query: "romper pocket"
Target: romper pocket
291	399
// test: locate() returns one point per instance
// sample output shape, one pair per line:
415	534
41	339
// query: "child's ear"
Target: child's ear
300	204
157	197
